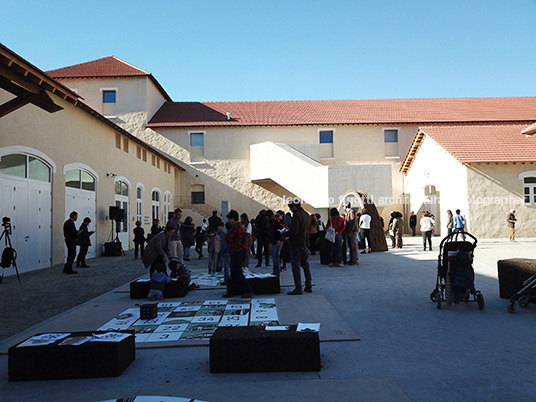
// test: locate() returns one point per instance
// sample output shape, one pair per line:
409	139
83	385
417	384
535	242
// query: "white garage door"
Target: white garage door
26	196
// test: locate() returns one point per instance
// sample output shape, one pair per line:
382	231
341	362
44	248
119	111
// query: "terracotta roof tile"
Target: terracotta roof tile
106	67
478	143
325	112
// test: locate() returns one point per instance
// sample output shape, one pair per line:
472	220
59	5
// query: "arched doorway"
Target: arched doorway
26	199
122	189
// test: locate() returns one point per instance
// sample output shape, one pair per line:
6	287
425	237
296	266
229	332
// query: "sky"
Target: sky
257	50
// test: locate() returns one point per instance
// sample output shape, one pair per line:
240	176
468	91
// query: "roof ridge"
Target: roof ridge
131	65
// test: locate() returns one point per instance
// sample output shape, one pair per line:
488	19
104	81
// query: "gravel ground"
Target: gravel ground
48	292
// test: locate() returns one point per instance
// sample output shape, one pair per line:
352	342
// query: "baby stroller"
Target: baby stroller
525	296
455	274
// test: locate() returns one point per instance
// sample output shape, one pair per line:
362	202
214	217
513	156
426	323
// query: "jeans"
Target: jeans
300	258
365	235
212	262
137	246
186	252
276	252
427	235
336	250
413	231
352	244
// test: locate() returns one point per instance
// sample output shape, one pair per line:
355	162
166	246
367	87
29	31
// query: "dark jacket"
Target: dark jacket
83	236
187	234
139	234
156	247
69	232
299	229
214	221
275	231
412	221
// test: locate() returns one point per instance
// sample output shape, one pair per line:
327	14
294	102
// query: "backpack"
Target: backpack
9	255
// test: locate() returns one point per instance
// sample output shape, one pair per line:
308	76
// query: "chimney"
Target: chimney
228	115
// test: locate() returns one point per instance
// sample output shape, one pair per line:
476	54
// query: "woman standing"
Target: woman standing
248	227
337	223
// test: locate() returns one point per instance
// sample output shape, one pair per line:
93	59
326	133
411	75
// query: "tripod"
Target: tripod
117	230
9	255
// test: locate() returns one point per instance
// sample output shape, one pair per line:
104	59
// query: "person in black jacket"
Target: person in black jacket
262	233
276	240
84	242
71	235
299	254
139	240
214	221
413	222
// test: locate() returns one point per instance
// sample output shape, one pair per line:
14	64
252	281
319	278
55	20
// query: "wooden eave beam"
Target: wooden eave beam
14	104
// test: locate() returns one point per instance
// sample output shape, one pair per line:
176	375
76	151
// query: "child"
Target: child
173	268
158	283
139	239
214	246
199	240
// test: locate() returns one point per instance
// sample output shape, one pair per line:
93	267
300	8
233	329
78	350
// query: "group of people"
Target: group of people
74	237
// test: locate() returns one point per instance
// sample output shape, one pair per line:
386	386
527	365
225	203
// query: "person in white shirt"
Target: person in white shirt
427	225
364	230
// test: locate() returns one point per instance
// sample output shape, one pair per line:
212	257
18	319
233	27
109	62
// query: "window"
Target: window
326	143
390	139
529	190
125	144
108	96
197	194
167	204
138	151
197	147
109	102
79	178
118	140
139	204
153	158
25	166
144	153
121	201
155	203
121	188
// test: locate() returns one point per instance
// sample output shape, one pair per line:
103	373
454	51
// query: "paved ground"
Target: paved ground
409	350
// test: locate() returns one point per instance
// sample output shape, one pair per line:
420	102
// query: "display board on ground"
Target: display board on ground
194	320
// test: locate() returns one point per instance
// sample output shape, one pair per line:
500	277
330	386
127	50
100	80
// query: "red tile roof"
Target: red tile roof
477	143
107	67
327	112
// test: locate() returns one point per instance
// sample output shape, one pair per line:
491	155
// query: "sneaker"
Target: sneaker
364	252
331	264
258	266
368	252
247	295
341	265
283	269
308	290
295	292
70	272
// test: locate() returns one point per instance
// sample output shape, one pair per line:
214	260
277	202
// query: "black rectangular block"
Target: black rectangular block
265	286
178	288
54	361
112	249
148	311
253	349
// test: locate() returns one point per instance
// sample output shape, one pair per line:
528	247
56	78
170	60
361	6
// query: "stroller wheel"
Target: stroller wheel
524	302
480	301
512	307
433	295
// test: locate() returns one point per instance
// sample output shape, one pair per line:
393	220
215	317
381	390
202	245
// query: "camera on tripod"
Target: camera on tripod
6	223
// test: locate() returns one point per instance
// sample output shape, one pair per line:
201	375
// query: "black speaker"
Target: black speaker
116	214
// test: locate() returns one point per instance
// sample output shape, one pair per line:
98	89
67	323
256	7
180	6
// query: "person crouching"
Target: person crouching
158	283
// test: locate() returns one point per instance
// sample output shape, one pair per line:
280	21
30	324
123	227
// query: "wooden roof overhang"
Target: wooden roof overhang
29	85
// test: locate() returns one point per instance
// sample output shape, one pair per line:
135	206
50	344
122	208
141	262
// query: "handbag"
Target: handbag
330	232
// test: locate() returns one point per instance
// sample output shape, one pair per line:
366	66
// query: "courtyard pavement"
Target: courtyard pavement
408	349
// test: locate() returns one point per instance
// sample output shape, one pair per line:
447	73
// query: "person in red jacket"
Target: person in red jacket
338	225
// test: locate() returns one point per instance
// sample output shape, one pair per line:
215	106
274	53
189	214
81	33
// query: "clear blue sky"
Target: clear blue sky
232	50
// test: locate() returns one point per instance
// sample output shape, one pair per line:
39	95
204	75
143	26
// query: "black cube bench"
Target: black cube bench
55	361
253	349
265	286
512	273
173	289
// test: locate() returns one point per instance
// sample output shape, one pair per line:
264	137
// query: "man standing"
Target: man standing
351	230
236	237
71	235
175	248
412	222
511	220
84	242
299	254
214	221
